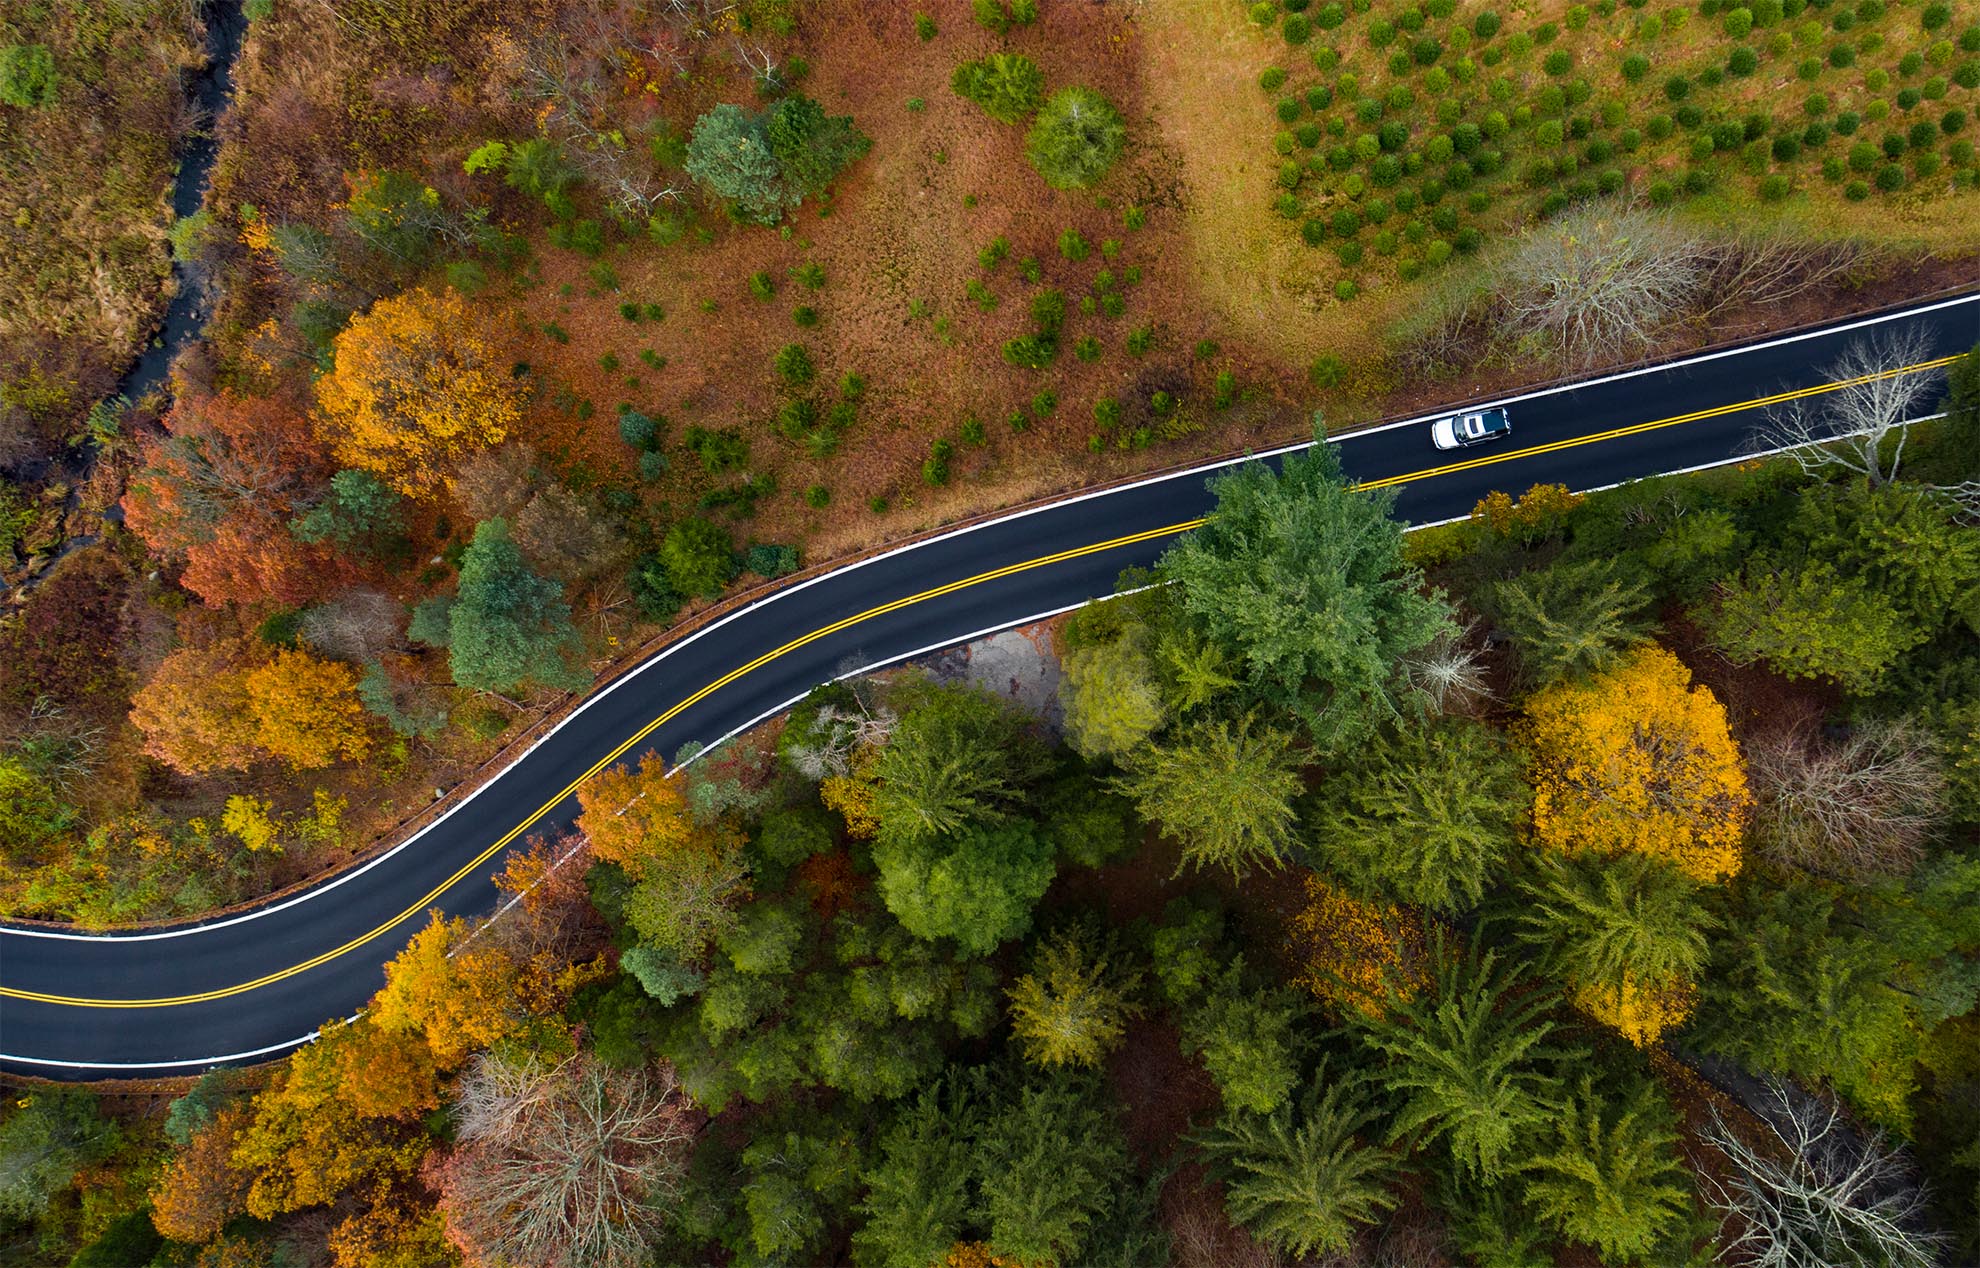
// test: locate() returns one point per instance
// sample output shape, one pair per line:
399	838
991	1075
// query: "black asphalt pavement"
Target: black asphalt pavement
369	913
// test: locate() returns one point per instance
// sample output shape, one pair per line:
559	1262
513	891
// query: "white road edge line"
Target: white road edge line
343	878
882	664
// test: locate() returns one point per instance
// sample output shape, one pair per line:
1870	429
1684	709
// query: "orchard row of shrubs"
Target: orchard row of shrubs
1401	131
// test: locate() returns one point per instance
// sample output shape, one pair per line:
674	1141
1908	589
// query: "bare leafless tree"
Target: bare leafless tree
356	626
1449	674
836	733
1859	423
1852	808
1601	283
1755	270
1817	1192
565	1165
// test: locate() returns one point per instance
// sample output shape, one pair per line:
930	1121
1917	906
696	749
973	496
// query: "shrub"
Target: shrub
1075	138
1677	88
1742	61
1345	290
794	365
1889	177
1297	29
1737	23
1486	25
1775	187
1271	78
1952	121
1558	62
1842	57
27	76
1426	50
1635	67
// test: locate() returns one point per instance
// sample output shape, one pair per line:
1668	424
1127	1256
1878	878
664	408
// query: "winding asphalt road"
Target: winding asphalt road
173	1001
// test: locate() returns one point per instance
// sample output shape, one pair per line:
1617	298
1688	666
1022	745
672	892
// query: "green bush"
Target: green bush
1775	187
1075	138
1889	177
1635	67
1742	61
1271	78
27	76
1558	62
1297	29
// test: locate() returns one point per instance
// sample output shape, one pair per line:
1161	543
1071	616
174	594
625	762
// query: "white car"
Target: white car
1460	430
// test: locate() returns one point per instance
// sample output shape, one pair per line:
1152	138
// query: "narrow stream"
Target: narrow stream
226	26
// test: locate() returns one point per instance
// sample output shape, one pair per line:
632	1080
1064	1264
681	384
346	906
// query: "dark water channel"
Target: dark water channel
185	316
225	28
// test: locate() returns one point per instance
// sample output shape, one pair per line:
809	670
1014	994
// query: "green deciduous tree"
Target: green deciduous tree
1073	1006
917	1186
44	1142
1300	577
359	513
1611	1177
508	627
1048	1159
1075	138
1465	1061
1224	790
976	885
1111	698
1425	815
1809	623
957	755
767	165
1007	85
27	76
1627	934
1571	619
811	146
1299	1179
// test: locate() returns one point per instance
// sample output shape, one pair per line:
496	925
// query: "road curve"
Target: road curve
175	1000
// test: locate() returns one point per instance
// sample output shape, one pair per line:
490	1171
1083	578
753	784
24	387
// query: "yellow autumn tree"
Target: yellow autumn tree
417	385
1640	1012
309	1140
1637	758
1535	512
1355	956
307	711
460	995
635	818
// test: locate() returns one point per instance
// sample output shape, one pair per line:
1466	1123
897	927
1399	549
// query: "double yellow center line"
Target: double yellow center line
896	605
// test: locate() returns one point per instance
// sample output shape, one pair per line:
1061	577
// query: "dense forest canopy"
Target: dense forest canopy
1589	879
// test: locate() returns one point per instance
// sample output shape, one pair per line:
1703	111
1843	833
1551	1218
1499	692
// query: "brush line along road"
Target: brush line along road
170	1001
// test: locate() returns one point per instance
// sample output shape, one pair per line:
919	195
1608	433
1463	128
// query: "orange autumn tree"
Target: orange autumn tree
309	1142
1357	957
307	711
194	711
1636	758
417	385
637	819
458	1002
201	1190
